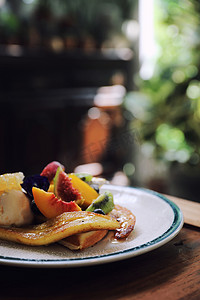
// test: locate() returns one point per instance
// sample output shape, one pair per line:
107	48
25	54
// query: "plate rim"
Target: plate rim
157	242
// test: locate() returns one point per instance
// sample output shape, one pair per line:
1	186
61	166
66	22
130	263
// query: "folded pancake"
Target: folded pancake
84	240
58	228
126	219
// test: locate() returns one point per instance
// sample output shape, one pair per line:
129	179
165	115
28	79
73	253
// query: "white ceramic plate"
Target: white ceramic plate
158	220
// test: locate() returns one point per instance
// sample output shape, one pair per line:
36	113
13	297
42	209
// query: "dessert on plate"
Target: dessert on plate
56	206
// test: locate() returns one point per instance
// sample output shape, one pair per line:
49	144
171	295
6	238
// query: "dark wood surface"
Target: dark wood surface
169	272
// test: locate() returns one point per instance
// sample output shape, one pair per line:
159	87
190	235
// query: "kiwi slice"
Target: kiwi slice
104	202
84	176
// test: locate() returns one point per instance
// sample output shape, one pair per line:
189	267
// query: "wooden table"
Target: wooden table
169	272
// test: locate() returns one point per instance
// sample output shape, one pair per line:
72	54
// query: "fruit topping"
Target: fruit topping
86	191
95	187
84	176
103	202
50	206
50	170
63	187
37	181
99	211
11	181
35	209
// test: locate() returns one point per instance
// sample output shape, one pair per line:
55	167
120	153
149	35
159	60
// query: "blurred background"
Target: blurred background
107	87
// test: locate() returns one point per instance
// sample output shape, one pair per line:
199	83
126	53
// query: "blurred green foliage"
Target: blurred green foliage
167	109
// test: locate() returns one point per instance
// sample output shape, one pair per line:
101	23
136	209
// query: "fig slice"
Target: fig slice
50	170
58	228
63	187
